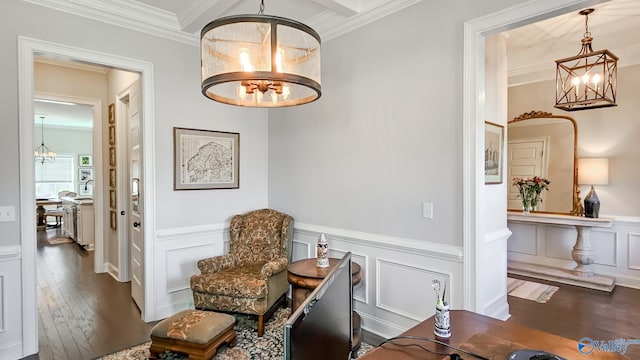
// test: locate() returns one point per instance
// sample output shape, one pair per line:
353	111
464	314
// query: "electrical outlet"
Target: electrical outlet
7	213
427	210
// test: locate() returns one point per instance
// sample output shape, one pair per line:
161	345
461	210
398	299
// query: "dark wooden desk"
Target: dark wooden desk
488	337
304	277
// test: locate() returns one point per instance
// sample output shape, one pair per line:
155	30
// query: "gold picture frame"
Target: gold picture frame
112	156
113	220
112	134
112	113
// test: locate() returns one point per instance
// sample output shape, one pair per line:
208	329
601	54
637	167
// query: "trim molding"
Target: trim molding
167	234
13	252
441	251
158	22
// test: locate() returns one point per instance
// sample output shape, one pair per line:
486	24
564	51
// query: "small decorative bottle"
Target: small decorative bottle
442	328
322	255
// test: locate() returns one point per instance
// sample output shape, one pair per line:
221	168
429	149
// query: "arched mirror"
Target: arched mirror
545	145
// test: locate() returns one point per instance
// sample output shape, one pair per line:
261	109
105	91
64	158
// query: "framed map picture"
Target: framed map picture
205	159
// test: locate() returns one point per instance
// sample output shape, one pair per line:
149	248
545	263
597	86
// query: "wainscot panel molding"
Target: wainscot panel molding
617	248
395	292
177	252
494	256
10	302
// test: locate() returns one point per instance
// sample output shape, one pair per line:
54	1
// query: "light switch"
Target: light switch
427	210
7	213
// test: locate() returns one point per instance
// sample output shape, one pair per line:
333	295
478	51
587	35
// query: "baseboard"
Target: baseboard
11	351
113	271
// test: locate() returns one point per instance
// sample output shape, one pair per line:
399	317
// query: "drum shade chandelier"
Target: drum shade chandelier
589	79
42	153
260	61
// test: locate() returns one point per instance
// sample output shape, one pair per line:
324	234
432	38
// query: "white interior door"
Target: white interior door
135	193
525	159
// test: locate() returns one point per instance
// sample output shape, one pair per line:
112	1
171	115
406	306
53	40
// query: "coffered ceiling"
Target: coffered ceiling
531	49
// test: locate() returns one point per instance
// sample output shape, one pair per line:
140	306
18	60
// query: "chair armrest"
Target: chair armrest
274	267
216	263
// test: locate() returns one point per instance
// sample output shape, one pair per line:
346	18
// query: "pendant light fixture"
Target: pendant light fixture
42	153
260	61
589	79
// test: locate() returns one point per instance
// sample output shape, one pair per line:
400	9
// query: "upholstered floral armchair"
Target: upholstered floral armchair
252	278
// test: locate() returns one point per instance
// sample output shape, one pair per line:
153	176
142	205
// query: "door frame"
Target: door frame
27	48
473	117
98	179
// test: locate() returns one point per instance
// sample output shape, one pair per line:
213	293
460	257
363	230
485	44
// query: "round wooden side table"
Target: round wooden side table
304	277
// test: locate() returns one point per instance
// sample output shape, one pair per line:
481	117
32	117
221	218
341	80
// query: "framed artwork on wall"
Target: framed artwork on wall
85	190
112	177
112	156
112	113
112	199
85	174
493	152
112	135
205	159
85	160
113	220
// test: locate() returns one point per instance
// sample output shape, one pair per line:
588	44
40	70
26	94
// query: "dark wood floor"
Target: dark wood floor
82	315
575	312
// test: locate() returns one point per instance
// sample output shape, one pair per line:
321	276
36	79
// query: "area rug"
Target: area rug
529	290
59	240
248	347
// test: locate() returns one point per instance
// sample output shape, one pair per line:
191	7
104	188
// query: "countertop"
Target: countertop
78	200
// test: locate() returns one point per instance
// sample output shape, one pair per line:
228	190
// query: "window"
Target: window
54	176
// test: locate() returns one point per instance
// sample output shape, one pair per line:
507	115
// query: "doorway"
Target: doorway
28	49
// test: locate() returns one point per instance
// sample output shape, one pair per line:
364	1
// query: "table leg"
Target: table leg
582	252
42	220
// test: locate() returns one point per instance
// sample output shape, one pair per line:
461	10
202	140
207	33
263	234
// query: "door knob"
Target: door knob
136	224
122	212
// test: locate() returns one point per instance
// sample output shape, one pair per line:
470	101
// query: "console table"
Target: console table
485	336
582	253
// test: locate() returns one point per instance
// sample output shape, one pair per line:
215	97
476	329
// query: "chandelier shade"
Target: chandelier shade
587	80
260	61
42	153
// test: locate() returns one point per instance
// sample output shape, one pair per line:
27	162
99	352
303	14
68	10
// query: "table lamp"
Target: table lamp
593	171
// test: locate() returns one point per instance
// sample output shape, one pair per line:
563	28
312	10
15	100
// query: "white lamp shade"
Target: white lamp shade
593	171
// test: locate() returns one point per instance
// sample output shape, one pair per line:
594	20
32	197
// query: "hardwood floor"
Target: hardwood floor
82	315
575	312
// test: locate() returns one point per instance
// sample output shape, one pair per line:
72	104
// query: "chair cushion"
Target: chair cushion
194	326
240	281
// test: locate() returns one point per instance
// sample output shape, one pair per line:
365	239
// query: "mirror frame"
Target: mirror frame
577	208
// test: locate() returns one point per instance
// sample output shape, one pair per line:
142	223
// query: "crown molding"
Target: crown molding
128	14
151	20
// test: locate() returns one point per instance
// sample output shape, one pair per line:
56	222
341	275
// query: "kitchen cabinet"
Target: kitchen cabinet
78	221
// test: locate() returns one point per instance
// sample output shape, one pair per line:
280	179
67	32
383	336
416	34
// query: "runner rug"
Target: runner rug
248	346
59	240
529	290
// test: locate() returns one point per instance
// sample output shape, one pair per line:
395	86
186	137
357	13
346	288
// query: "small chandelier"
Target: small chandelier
42	153
260	61
589	79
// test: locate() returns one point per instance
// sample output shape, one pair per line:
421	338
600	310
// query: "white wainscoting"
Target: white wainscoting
494	257
395	292
10	302
177	253
617	248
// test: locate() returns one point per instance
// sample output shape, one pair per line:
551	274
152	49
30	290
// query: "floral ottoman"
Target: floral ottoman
193	332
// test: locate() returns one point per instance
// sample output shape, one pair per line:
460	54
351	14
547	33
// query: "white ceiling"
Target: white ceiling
531	49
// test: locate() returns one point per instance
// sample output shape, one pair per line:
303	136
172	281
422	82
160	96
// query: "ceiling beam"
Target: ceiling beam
339	7
202	12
